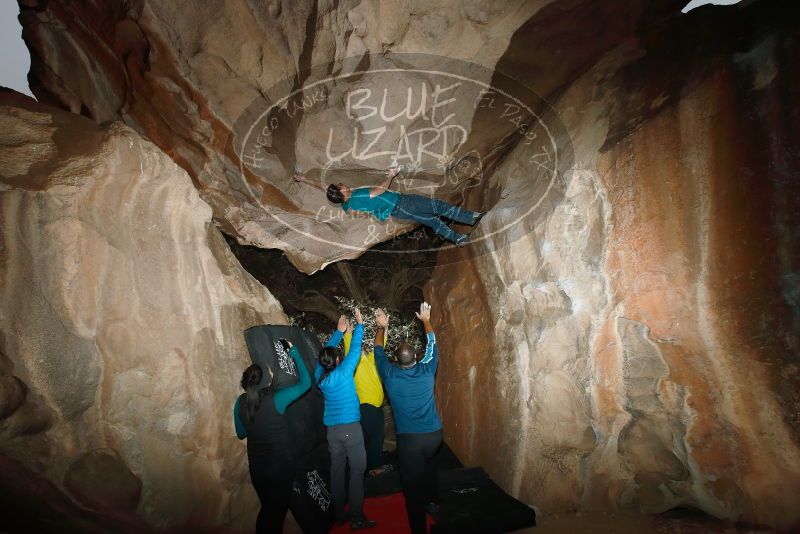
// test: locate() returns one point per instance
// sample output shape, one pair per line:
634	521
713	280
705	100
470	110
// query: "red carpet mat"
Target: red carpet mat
390	513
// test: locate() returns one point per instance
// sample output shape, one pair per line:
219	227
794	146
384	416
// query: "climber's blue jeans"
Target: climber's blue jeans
427	211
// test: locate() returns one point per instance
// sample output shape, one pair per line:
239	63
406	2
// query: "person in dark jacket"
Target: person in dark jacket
259	416
342	416
409	385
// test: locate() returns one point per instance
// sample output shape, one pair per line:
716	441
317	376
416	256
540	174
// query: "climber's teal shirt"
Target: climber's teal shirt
380	206
338	387
283	397
411	390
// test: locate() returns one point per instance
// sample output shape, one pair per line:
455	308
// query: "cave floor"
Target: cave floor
676	522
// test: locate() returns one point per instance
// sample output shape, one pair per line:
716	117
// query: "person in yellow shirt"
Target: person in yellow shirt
370	394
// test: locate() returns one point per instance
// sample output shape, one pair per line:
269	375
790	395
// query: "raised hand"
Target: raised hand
382	322
424	313
381	319
343	323
357	313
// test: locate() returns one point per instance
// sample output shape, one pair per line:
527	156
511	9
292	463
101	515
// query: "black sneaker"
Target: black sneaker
477	216
462	240
433	510
361	523
378	471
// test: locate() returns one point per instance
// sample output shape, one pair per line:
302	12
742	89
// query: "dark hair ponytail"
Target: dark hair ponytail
250	379
327	360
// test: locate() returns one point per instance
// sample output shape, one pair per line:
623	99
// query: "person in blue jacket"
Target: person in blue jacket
259	416
382	203
342	416
409	385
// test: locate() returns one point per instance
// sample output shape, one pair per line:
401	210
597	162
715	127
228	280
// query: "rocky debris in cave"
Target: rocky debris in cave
391	276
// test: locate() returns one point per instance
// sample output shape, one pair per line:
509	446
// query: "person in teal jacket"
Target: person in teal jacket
382	204
342	416
259	416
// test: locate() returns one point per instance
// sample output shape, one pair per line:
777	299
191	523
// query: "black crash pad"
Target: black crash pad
311	498
389	482
471	503
305	414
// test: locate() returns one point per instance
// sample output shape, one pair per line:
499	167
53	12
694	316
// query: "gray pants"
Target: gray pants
346	444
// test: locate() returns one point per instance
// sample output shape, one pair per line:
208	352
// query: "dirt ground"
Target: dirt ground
674	522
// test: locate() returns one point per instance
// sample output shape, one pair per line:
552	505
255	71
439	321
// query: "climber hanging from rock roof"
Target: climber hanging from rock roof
383	203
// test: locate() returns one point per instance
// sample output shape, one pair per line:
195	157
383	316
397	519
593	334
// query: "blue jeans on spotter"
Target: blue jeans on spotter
427	211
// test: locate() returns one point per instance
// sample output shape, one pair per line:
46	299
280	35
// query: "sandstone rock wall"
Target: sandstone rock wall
121	319
635	346
183	76
631	344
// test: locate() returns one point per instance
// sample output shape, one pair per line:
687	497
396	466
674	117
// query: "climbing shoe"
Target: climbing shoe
361	523
462	240
477	216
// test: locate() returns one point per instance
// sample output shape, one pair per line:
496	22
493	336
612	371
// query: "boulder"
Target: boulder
622	333
196	81
633	344
121	319
100	480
